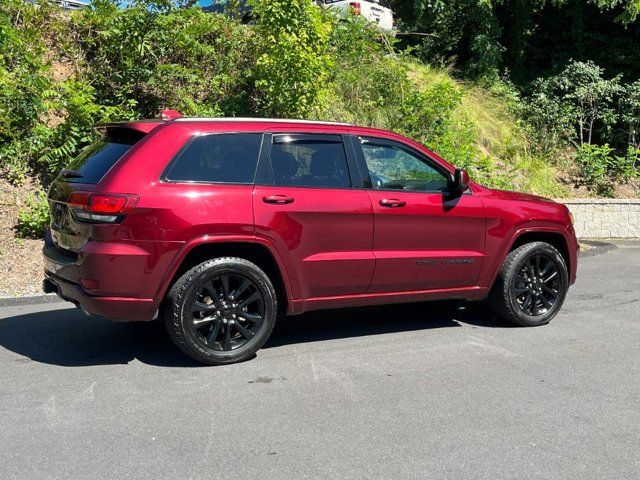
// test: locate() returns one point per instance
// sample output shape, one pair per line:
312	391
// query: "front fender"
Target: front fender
499	247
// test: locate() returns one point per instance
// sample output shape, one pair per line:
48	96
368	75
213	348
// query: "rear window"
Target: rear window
96	160
309	160
217	158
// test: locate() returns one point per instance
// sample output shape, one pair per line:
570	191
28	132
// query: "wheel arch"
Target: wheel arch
553	236
201	250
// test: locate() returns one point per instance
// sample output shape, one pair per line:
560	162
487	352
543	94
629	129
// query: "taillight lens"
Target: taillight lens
356	8
101	208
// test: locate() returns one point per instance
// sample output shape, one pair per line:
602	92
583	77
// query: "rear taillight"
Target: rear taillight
101	208
356	9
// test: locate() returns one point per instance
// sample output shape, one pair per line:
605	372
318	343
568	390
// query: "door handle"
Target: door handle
392	203
278	199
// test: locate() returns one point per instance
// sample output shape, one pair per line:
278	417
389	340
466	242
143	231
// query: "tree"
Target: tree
630	113
294	62
583	95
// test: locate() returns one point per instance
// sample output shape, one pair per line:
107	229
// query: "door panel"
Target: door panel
429	243
321	227
424	238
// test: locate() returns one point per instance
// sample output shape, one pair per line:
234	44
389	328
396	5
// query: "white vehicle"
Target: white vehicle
376	11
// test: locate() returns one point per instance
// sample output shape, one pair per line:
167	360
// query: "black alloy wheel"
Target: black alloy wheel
537	285
228	310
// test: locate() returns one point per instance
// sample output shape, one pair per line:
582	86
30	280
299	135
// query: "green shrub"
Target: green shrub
577	104
601	169
294	62
33	220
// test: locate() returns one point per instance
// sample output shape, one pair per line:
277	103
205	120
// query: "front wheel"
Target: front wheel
531	286
221	311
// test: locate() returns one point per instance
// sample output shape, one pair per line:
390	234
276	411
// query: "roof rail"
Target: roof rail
249	119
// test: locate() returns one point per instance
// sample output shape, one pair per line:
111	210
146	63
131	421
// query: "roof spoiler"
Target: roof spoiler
140	126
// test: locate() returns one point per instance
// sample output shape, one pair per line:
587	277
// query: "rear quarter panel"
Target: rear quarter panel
174	216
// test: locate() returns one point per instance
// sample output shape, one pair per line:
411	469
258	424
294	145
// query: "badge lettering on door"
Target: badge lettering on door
446	261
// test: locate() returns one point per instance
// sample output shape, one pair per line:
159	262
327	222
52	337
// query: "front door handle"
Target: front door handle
278	199
392	203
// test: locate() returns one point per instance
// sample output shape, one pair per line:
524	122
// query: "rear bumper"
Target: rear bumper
111	277
115	308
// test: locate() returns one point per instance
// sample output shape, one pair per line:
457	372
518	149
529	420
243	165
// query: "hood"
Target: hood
509	195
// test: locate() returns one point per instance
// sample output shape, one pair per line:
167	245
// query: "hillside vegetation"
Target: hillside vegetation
61	73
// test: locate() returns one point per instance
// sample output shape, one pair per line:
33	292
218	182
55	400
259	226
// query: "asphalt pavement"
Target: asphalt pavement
417	391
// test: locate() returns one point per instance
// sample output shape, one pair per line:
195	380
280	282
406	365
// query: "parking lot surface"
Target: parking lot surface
414	391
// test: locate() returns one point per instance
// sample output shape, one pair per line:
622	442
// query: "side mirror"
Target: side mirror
460	181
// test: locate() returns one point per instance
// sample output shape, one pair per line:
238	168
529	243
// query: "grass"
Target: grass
499	135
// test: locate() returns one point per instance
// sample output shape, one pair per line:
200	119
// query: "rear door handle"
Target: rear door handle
392	203
278	199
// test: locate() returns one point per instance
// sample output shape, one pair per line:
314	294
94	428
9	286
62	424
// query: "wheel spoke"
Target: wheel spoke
227	338
534	308
537	269
203	321
527	302
241	289
248	301
202	307
531	270
252	317
213	334
545	302
243	331
549	290
211	291
521	290
550	277
225	284
546	268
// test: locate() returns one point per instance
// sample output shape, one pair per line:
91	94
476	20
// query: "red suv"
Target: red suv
219	225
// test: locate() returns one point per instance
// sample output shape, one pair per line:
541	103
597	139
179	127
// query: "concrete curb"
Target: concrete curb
30	300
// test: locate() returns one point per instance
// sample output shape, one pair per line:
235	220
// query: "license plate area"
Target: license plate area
59	212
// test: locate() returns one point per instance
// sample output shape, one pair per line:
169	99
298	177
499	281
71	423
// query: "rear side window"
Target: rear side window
96	160
217	158
309	161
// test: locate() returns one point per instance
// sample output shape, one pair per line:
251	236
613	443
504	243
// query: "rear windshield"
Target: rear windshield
97	159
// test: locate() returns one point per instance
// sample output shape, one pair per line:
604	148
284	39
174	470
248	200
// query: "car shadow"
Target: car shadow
69	338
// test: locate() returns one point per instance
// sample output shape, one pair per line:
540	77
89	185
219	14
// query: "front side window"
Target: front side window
309	161
393	167
217	158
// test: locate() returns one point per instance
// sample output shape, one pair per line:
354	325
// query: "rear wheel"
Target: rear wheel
221	311
531	286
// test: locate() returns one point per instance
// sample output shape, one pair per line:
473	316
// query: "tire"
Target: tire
211	325
523	293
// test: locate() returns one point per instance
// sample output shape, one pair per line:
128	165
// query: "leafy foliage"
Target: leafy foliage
34	219
578	96
294	62
600	167
62	73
